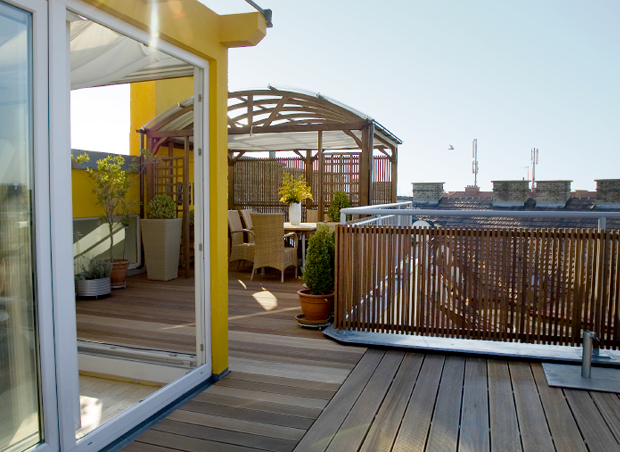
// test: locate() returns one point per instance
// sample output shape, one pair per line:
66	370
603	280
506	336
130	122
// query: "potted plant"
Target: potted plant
94	279
340	200
111	185
317	300
292	192
161	237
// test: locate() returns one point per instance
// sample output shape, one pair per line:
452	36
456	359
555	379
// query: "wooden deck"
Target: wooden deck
292	389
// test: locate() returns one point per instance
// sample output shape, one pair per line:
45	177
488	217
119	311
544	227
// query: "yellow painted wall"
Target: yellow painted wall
191	26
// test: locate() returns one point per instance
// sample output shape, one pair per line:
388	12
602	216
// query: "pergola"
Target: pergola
317	129
310	125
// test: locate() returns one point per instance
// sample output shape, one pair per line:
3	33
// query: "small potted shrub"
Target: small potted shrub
161	237
94	279
317	300
293	192
339	201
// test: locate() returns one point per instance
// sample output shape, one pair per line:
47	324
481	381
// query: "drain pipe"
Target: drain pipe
586	358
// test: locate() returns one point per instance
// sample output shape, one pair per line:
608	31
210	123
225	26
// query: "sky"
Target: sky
515	75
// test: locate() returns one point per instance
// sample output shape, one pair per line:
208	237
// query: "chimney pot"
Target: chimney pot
608	193
429	193
552	193
510	193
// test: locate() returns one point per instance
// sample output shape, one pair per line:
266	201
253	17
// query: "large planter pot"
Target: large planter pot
162	246
119	273
316	307
92	287
294	213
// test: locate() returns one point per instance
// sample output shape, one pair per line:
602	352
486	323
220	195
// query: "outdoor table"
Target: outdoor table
302	229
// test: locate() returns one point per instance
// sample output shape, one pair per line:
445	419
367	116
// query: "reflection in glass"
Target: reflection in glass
19	388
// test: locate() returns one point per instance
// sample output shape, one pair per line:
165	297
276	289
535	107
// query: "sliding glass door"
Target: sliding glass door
20	419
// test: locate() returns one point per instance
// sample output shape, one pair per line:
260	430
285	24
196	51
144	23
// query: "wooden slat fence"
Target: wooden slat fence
541	286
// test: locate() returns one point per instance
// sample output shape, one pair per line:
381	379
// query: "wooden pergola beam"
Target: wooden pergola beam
297	128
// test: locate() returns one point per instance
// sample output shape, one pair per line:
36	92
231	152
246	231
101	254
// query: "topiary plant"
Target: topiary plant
339	201
161	206
318	273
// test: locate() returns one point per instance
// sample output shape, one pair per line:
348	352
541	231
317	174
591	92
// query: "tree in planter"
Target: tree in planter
111	185
317	301
339	201
94	279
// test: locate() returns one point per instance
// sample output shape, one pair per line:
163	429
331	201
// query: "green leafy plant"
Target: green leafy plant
318	272
96	269
339	201
111	185
161	206
293	190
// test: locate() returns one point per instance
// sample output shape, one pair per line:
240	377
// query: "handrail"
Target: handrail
380	210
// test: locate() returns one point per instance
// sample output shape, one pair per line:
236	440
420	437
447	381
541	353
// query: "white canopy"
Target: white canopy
101	56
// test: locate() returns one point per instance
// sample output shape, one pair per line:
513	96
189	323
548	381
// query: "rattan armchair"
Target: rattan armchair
270	248
239	250
246	215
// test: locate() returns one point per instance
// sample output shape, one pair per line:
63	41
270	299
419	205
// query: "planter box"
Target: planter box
92	287
162	247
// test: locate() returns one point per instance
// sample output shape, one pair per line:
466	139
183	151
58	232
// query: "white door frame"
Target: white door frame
61	226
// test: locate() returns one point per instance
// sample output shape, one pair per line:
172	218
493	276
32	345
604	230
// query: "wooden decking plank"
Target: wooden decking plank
535	433
294	352
384	428
564	430
236	425
297	371
255	378
475	430
354	428
269	407
278	389
225	436
609	406
137	446
444	433
318	343
188	444
502	413
268	397
249	414
591	422
284	359
327	424
415	425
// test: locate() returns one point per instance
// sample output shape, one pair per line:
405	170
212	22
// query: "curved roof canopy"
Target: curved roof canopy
275	119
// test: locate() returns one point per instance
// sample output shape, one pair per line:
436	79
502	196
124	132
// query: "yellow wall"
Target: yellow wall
191	26
84	200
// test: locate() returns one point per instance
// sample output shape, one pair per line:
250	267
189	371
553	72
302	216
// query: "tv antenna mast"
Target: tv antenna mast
534	163
474	165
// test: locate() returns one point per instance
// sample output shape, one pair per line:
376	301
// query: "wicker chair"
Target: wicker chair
239	250
270	248
312	215
246	215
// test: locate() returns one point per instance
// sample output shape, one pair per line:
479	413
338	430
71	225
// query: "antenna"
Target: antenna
474	165
534	163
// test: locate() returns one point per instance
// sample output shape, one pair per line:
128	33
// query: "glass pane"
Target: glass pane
19	387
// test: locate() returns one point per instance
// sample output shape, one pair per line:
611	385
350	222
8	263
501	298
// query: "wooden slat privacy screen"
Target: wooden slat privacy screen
538	286
257	180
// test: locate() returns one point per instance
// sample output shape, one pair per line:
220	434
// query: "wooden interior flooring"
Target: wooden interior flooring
102	399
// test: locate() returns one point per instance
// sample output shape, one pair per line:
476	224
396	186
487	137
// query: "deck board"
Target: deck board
294	390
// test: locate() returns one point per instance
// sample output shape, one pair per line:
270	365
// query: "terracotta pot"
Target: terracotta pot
119	273
316	307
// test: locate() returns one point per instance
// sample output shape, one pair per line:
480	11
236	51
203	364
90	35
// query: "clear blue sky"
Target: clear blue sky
513	74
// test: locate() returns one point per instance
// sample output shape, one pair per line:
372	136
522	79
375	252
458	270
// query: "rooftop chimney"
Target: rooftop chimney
427	192
608	193
552	193
472	191
510	193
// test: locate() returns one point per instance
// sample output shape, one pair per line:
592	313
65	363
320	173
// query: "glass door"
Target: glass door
20	418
